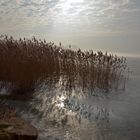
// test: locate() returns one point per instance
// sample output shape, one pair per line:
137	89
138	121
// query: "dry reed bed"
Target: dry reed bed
26	62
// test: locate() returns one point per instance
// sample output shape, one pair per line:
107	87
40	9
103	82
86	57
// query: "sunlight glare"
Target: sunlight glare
17	1
61	101
67	4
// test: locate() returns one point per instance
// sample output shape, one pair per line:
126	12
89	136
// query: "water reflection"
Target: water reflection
61	100
64	110
69	114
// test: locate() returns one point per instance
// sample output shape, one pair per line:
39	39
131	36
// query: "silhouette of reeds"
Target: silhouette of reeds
26	62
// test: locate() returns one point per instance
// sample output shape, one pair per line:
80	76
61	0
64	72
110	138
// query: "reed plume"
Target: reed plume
27	62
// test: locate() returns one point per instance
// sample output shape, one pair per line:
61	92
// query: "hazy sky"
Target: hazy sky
112	25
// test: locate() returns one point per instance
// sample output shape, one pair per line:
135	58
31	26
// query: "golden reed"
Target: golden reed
26	62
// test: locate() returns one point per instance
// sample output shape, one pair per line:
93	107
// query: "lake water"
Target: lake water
61	114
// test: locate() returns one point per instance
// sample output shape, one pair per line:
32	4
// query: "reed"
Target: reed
27	62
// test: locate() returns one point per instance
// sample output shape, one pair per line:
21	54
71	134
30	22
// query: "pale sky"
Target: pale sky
107	25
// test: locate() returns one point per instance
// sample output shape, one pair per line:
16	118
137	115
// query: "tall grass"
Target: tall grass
26	62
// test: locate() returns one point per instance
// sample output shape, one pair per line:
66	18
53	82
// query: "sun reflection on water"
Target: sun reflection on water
60	101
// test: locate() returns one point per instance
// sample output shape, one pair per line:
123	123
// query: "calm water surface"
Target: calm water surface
61	114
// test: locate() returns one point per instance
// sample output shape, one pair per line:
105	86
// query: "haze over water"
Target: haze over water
106	25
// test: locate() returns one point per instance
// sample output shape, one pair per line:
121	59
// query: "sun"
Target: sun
67	4
76	1
18	1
